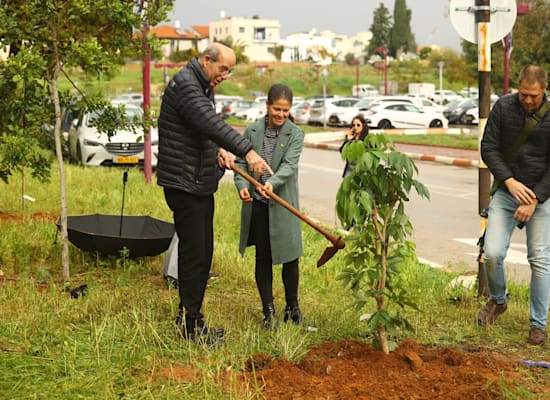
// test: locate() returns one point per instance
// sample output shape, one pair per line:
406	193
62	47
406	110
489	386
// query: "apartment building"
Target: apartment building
256	35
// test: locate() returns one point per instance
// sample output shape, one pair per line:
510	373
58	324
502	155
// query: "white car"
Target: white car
471	115
322	109
129	98
125	147
344	116
421	102
445	96
300	113
389	115
252	113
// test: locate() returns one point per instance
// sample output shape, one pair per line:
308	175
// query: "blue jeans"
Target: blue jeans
500	226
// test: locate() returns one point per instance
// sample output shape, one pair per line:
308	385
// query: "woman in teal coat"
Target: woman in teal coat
272	229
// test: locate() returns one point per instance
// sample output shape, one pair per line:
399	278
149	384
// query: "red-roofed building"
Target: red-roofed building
177	39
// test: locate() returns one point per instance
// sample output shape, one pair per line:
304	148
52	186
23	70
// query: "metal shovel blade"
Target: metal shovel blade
327	255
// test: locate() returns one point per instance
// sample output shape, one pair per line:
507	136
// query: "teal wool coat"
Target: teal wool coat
285	229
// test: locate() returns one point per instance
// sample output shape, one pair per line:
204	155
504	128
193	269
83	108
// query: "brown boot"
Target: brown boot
490	312
537	336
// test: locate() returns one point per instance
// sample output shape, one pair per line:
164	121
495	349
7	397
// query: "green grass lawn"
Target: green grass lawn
116	341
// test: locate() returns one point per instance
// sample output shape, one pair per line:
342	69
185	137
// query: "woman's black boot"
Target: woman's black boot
270	322
294	314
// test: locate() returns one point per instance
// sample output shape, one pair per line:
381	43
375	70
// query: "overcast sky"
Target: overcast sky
430	22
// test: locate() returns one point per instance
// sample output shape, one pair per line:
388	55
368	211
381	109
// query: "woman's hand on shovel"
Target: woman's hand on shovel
257	164
265	190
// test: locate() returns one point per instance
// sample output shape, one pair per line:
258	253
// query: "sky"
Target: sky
430	22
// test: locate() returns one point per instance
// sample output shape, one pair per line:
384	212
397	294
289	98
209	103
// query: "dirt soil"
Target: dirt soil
352	369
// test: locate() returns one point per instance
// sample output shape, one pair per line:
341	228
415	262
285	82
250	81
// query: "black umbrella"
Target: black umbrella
111	234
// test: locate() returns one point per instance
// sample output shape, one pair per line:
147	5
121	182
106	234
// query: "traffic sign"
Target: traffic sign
503	17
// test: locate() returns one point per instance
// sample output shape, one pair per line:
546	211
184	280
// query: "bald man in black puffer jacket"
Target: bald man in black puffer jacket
194	142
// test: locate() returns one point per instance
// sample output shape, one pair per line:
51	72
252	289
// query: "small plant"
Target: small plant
370	201
42	278
43	274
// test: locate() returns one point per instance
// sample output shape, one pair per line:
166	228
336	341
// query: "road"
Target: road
446	227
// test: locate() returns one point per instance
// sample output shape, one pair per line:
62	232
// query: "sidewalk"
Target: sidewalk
443	155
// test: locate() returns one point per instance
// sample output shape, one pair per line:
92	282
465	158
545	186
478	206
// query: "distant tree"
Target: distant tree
183	55
380	29
531	37
402	38
62	36
278	51
425	52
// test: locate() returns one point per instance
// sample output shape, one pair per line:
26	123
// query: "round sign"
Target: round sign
503	17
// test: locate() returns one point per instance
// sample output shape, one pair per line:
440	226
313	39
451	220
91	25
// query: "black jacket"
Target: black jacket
531	165
190	132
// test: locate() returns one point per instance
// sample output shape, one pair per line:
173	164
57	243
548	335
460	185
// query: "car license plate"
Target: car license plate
315	112
126	160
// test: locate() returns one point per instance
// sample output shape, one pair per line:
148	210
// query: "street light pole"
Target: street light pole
441	64
325	74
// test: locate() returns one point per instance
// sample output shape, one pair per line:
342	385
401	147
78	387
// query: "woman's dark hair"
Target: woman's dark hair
365	130
279	91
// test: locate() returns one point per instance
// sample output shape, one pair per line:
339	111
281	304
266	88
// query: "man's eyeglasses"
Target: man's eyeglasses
225	71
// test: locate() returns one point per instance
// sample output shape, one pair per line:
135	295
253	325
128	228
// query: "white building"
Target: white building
324	47
257	36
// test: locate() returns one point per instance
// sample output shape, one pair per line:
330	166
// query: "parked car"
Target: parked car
258	110
68	115
125	147
449	108
300	113
445	96
420	101
344	116
232	107
364	90
403	115
129	98
456	116
321	109
469	92
224	98
471	116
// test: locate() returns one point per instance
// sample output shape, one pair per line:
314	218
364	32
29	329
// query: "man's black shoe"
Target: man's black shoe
197	331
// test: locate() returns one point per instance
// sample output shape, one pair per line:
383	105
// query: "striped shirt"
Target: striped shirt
270	140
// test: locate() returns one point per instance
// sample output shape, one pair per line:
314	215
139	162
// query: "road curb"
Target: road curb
321	141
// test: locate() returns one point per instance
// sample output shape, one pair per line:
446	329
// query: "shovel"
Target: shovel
337	242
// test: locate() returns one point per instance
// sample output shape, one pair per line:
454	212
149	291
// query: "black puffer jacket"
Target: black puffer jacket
531	165
190	132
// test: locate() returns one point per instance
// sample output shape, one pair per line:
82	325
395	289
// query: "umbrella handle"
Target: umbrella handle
124	180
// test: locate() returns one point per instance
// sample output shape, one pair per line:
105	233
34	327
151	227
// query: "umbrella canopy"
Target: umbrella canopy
110	234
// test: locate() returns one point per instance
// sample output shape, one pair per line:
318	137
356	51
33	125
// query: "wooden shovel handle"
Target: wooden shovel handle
336	241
